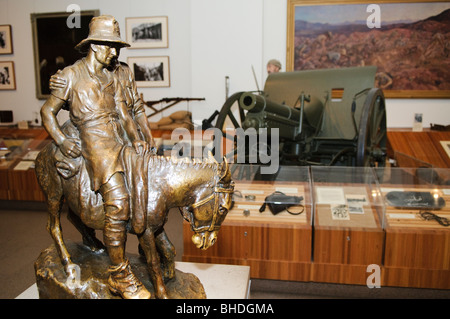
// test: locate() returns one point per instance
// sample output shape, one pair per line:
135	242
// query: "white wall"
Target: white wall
23	101
208	40
226	40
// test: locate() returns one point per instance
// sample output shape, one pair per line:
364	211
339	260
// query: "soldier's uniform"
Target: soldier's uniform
93	111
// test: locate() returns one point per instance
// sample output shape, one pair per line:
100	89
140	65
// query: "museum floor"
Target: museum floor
23	236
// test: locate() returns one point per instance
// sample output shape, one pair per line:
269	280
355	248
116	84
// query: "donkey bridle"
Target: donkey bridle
215	195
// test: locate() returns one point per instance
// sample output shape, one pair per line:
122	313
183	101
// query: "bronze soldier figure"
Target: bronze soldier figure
98	109
134	103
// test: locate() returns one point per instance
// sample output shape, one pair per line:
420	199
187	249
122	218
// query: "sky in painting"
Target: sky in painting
390	12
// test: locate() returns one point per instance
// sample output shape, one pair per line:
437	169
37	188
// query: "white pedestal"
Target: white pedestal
219	281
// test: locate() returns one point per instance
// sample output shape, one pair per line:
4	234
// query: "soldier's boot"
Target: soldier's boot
123	282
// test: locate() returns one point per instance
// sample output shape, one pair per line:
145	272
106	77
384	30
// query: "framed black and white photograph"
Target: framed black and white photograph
7	75
150	71
147	32
6	44
54	41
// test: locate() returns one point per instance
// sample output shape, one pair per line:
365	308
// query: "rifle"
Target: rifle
175	100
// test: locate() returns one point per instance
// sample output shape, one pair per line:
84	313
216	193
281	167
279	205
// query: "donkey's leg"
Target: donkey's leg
167	253
51	185
88	234
147	241
54	228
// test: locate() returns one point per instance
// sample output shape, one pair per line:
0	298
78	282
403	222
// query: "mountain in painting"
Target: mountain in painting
409	55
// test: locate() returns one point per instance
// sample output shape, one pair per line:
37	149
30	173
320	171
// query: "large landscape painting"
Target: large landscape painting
410	46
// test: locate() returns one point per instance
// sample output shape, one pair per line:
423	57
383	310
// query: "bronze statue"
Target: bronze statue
134	103
202	190
92	165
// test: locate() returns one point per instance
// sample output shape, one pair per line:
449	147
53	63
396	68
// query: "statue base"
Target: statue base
53	283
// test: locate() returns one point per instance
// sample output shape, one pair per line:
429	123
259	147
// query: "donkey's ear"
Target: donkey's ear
225	171
211	158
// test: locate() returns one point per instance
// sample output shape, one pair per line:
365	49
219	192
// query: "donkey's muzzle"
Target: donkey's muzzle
204	240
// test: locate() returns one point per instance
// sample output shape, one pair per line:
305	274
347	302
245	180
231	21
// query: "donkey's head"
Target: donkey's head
210	207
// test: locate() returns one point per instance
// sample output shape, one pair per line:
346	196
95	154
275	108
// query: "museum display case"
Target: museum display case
417	248
274	239
18	149
348	224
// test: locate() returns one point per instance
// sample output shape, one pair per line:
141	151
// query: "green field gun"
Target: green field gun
322	117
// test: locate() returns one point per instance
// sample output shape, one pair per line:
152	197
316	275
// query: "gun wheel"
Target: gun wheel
371	145
230	117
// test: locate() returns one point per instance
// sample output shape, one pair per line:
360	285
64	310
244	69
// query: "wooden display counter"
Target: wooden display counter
274	246
347	237
417	251
414	149
17	177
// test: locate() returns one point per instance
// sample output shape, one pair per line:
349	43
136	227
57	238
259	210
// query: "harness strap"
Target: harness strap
210	197
215	196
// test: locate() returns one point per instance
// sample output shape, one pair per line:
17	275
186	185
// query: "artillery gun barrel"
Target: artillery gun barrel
257	103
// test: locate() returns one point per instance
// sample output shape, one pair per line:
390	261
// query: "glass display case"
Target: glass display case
282	197
347	197
269	226
417	251
348	224
18	149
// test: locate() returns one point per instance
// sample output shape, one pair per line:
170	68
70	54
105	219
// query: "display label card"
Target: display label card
252	192
355	203
31	156
357	199
391	189
330	195
355	209
23	165
287	190
402	216
249	207
22	125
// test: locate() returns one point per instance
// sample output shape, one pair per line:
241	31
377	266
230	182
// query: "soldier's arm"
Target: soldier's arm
141	119
138	108
129	125
69	147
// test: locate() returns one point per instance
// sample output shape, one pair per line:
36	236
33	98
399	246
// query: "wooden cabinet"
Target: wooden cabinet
274	246
280	252
342	256
417	258
20	147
